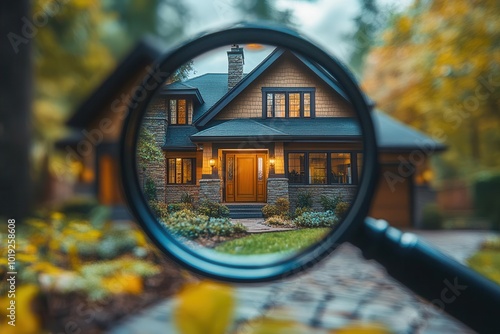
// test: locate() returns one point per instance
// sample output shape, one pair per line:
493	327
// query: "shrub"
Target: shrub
316	219
432	219
299	211
213	209
304	199
278	221
150	189
341	209
487	197
280	208
329	203
190	225
159	208
187	198
79	206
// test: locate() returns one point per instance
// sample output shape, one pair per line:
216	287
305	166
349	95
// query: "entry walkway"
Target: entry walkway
341	289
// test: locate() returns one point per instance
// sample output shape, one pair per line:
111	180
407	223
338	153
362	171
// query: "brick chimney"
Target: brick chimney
235	61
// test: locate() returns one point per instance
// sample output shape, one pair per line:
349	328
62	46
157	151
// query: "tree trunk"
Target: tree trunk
15	109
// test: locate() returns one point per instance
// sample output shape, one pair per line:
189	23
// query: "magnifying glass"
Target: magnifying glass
259	123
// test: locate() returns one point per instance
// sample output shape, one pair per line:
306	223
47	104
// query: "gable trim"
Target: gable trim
236	90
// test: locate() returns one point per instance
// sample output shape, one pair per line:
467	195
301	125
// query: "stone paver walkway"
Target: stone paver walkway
341	289
256	225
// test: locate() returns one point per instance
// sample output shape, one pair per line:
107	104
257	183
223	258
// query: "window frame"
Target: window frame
287	91
189	104
305	182
193	171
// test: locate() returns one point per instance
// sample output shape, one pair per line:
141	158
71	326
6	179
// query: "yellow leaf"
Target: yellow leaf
204	308
26	321
362	328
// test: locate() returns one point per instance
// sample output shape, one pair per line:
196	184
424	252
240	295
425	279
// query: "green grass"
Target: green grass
486	261
273	242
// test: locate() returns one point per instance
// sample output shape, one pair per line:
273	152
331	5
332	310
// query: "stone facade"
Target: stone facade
211	190
155	121
173	193
276	188
347	192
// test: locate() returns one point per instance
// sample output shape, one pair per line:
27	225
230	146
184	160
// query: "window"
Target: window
288	102
324	167
181	171
296	167
317	168
180	111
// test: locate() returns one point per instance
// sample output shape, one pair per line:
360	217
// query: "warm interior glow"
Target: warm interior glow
212	162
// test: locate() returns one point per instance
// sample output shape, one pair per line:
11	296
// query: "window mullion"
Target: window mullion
287	101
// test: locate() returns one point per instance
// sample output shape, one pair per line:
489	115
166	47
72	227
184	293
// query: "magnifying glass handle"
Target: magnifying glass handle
449	285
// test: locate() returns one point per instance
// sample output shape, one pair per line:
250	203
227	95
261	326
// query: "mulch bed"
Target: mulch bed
75	313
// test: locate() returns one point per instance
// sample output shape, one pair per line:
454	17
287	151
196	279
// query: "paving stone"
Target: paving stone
341	289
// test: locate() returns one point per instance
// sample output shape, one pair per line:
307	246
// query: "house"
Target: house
284	128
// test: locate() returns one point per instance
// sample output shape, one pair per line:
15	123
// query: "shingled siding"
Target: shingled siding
347	192
155	121
286	72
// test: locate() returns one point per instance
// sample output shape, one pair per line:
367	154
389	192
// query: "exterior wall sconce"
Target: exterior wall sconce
211	162
272	162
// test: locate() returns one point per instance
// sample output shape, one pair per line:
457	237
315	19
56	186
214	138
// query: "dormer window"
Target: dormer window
288	102
180	111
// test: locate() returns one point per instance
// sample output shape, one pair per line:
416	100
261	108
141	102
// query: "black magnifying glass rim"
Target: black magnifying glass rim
245	33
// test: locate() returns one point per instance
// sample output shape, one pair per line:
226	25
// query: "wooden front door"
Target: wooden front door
245	177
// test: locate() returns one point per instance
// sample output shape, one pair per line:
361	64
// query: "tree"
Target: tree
437	69
148	150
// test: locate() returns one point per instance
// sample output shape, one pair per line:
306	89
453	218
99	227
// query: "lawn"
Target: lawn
273	242
486	260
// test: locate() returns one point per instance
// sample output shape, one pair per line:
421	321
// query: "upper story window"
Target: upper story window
288	102
180	111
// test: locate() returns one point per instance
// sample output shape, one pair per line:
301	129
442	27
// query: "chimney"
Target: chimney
235	61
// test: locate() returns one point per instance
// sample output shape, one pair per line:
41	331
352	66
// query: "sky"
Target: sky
325	22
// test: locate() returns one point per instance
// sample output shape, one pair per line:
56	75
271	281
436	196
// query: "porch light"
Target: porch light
211	162
272	161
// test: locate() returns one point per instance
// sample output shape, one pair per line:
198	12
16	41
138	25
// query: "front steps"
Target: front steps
245	210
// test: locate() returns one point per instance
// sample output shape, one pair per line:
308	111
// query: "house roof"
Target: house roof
282	129
141	56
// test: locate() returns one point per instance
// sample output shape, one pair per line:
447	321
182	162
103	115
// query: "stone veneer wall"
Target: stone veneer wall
210	189
347	192
276	187
155	120
173	193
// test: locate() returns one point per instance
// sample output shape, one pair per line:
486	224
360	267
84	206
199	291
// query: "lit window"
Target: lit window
341	168
286	102
296	167
181	171
317	168
181	112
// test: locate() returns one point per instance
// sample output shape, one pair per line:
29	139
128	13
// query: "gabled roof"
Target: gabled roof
141	56
206	117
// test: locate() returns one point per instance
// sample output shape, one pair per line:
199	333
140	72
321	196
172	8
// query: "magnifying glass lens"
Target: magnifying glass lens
250	151
254	159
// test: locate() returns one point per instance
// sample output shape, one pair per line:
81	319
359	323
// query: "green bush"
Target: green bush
190	225
187	198
280	208
316	219
79	206
278	221
341	209
432	219
150	189
299	211
159	208
213	209
487	198
304	199
329	203
174	207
